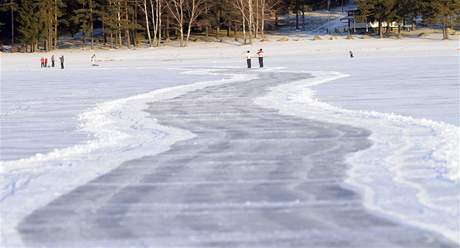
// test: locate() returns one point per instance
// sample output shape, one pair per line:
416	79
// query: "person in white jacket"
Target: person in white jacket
261	54
93	60
248	57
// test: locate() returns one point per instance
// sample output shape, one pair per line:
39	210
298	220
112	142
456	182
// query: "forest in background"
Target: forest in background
32	25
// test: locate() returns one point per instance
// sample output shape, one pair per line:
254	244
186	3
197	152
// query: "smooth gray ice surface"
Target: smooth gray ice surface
250	178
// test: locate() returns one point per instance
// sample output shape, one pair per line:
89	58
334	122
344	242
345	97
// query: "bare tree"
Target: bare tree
193	8
176	8
157	12
251	20
270	7
185	10
241	6
147	23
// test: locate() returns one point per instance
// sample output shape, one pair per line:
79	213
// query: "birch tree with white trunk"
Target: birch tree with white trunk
176	8
193	8
241	6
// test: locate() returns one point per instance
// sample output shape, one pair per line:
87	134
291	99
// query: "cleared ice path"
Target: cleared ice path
250	178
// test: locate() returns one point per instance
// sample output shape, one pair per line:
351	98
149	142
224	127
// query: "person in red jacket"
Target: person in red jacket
42	62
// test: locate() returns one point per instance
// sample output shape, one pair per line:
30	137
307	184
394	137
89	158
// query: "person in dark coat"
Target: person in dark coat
261	54
52	61
351	54
61	59
46	62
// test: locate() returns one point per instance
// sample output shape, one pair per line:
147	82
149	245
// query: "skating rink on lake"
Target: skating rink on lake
185	147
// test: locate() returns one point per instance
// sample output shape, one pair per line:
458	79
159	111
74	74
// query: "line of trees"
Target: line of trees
117	23
444	12
126	23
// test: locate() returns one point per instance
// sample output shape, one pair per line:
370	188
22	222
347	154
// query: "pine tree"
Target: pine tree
445	12
85	16
29	23
10	7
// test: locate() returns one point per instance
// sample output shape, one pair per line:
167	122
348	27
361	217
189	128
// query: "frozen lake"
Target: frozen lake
421	87
40	108
414	154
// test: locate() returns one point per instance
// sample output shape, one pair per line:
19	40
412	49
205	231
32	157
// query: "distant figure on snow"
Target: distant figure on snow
93	60
248	58
52	61
351	54
42	62
61	59
260	54
46	62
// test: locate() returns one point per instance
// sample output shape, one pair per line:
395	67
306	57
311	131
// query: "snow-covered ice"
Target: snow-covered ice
405	92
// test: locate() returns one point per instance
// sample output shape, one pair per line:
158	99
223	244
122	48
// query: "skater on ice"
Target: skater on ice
61	59
351	54
93	60
260	54
52	61
248	57
42	62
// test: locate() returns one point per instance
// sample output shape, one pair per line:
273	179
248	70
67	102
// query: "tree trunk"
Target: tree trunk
128	36
147	23
303	19
256	30
181	33
262	24
159	14
111	40
380	29
12	24
55	25
91	23
207	23
49	35
189	30
445	28
181	29
168	28
251	20
156	28
276	19
120	42
367	26
135	26
218	24
244	30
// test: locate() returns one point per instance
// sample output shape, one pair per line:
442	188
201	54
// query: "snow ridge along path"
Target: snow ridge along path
251	177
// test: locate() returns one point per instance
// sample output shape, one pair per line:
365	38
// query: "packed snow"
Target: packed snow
61	128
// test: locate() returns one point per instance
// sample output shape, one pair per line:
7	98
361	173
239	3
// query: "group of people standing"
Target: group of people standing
44	62
260	54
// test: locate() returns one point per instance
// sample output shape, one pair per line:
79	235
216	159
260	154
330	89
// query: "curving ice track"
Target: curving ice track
250	178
